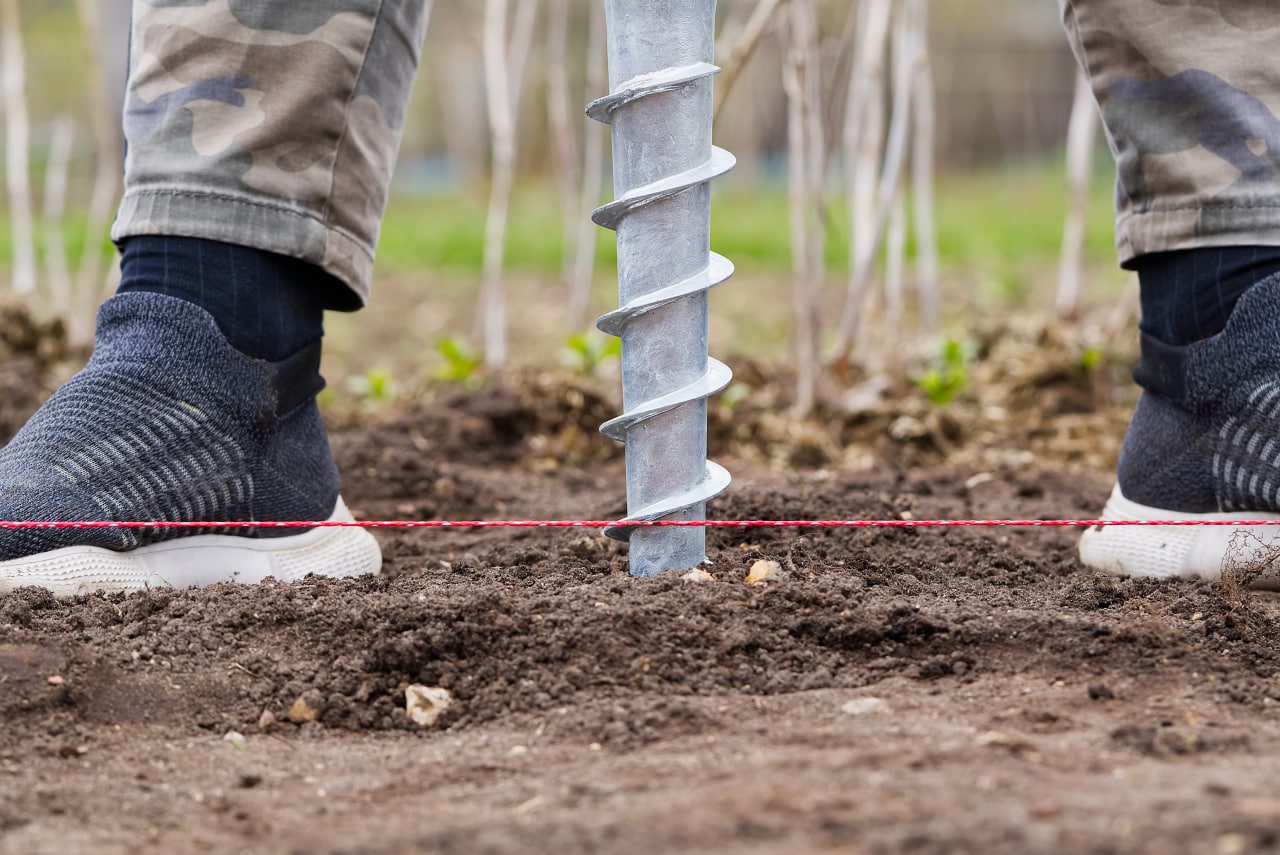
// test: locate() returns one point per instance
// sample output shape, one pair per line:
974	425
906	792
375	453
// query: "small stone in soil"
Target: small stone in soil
866	706
764	571
424	704
304	709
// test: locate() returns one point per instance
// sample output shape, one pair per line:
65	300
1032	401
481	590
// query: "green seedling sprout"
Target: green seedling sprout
734	395
586	352
375	387
949	375
1091	358
461	363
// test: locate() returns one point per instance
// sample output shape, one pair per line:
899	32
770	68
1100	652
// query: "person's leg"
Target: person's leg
272	125
1189	97
261	138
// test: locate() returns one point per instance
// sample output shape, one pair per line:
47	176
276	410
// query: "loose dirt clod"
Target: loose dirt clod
1100	692
657	715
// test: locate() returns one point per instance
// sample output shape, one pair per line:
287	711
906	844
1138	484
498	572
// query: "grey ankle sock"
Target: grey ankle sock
1206	434
168	422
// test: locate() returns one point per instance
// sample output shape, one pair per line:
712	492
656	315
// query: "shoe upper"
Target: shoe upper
168	422
1205	436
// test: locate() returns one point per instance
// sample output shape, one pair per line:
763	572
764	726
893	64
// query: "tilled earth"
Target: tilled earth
883	691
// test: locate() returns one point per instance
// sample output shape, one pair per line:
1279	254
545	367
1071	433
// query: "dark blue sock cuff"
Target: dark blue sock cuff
1188	295
1245	351
269	306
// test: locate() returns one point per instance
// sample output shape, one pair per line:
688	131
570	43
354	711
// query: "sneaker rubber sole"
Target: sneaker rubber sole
199	560
1182	552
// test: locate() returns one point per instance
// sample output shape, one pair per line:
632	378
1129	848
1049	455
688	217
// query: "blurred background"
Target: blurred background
990	88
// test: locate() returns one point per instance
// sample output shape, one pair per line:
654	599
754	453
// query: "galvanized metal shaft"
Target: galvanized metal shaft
660	76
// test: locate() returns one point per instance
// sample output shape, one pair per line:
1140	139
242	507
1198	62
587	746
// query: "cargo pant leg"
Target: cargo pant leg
272	124
1189	92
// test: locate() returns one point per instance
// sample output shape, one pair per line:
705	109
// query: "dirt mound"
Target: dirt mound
34	359
916	690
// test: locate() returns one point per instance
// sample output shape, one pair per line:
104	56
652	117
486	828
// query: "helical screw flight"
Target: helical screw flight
661	109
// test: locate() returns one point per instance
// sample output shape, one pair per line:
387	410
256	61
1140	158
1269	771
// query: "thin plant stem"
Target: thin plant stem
17	147
1082	130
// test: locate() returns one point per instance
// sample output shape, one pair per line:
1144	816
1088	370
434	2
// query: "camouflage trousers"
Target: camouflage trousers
275	124
269	123
1189	91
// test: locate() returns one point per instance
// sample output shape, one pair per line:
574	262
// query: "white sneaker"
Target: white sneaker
199	560
169	422
1183	551
1203	444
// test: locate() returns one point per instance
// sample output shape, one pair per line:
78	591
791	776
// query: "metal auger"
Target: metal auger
660	77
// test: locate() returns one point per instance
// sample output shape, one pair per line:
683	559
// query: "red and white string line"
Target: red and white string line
588	524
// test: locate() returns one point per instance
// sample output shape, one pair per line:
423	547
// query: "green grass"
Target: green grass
1018	212
1001	222
446	232
74	230
1001	226
57	61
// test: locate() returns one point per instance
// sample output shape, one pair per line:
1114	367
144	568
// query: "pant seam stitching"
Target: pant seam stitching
346	113
238	200
1202	206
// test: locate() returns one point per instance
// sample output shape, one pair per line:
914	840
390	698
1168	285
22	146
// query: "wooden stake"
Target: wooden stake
504	71
63	132
564	133
802	84
1082	130
104	125
864	142
740	54
922	175
584	263
890	185
17	147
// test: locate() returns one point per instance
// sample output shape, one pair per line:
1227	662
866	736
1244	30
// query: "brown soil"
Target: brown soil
893	691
